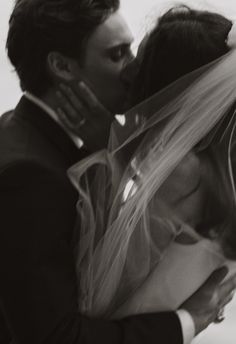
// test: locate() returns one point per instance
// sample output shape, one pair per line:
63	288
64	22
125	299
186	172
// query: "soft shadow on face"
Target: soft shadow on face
130	72
108	51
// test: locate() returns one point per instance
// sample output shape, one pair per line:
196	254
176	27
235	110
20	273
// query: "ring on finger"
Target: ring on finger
81	123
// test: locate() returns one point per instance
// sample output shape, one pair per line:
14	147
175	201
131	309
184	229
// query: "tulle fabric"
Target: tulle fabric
125	226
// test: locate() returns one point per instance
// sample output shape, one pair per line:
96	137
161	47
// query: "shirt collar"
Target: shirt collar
46	108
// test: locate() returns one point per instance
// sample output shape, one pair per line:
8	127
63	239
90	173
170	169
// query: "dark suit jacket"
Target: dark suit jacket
38	294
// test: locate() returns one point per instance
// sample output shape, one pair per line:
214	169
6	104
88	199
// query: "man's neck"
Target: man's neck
49	104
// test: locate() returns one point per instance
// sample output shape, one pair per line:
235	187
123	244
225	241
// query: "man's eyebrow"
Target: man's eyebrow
119	45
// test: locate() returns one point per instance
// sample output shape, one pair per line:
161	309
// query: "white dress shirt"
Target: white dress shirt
187	324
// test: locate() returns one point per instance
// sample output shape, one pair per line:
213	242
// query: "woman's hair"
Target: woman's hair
182	41
37	27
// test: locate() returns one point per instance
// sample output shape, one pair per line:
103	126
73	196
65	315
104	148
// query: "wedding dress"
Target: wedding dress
183	269
129	252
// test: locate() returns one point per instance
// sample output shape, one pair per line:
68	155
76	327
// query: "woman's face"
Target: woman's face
183	190
194	191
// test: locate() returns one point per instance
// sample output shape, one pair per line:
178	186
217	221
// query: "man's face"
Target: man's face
107	52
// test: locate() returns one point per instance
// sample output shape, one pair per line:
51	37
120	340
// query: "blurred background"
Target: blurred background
140	14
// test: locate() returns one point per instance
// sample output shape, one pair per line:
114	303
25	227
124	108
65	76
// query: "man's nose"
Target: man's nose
129	72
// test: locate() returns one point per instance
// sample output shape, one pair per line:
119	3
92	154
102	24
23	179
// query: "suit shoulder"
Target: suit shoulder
23	171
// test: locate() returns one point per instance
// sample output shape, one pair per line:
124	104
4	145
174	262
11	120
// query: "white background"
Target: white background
140	14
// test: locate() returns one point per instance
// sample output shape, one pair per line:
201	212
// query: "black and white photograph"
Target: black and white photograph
117	172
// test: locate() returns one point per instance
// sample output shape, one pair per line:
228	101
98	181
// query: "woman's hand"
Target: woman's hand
82	113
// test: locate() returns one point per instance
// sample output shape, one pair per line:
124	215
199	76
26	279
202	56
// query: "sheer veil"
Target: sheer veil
125	228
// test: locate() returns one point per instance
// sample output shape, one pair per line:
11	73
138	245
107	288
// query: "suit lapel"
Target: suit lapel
43	123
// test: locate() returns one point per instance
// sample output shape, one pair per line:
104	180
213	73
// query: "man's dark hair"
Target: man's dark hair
182	41
38	27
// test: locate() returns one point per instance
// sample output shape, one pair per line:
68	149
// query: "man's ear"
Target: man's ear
62	67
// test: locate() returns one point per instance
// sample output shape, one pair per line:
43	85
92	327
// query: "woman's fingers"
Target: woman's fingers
92	102
64	119
81	112
72	113
80	101
72	98
88	96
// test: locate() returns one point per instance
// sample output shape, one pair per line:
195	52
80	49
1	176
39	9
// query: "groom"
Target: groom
51	41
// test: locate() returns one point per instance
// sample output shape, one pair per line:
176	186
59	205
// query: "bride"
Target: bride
157	215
